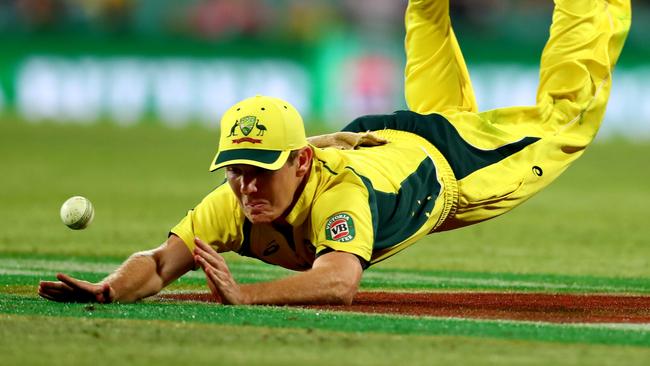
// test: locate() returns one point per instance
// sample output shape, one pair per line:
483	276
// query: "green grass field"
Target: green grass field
586	233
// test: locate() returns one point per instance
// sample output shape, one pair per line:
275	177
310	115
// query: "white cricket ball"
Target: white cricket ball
77	212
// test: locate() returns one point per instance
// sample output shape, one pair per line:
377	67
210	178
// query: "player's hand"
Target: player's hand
347	140
220	281
69	289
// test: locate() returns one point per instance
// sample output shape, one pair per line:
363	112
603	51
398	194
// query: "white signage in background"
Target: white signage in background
176	91
503	85
125	94
628	111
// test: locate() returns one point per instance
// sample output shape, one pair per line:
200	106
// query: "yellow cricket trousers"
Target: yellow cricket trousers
586	38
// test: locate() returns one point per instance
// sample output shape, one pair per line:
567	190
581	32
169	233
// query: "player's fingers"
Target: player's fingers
209	280
212	276
201	248
106	295
214	286
198	250
218	285
46	293
201	262
47	285
222	278
57	297
214	258
204	246
197	256
209	264
220	265
211	255
73	283
329	140
228	290
370	139
61	291
205	265
82	291
217	258
48	296
53	291
55	294
199	243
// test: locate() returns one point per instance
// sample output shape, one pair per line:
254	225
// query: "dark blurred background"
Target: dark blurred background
183	62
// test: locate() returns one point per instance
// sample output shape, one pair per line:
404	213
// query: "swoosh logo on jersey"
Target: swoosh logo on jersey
272	248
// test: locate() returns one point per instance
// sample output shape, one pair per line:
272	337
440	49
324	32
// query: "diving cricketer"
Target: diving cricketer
331	206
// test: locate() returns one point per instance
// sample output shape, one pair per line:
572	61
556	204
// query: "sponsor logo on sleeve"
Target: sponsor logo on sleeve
340	227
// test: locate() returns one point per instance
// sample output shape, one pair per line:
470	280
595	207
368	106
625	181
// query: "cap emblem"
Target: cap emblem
246	125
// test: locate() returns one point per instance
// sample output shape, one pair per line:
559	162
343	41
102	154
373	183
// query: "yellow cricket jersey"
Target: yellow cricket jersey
372	202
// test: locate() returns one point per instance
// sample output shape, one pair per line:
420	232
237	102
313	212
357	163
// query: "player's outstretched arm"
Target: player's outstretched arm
333	279
143	274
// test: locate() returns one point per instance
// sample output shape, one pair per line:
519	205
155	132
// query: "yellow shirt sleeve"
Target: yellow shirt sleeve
342	221
217	220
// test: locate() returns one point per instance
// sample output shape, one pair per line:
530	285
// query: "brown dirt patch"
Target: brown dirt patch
556	308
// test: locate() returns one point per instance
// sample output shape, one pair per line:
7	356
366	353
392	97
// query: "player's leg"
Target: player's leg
586	39
436	77
585	42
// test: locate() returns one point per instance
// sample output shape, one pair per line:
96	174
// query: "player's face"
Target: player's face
265	195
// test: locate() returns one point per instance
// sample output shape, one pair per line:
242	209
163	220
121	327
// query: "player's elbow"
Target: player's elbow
347	293
344	288
343	292
339	274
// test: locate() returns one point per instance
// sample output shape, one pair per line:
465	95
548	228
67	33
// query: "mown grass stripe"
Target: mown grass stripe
374	279
312	319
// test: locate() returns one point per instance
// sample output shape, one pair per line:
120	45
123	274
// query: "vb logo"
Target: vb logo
340	227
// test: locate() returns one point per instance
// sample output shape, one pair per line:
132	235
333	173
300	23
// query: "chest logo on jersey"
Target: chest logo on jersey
340	227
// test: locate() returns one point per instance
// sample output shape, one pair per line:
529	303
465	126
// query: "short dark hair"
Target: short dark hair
292	156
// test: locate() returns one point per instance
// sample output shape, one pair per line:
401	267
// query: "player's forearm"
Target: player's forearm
313	287
334	279
136	278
